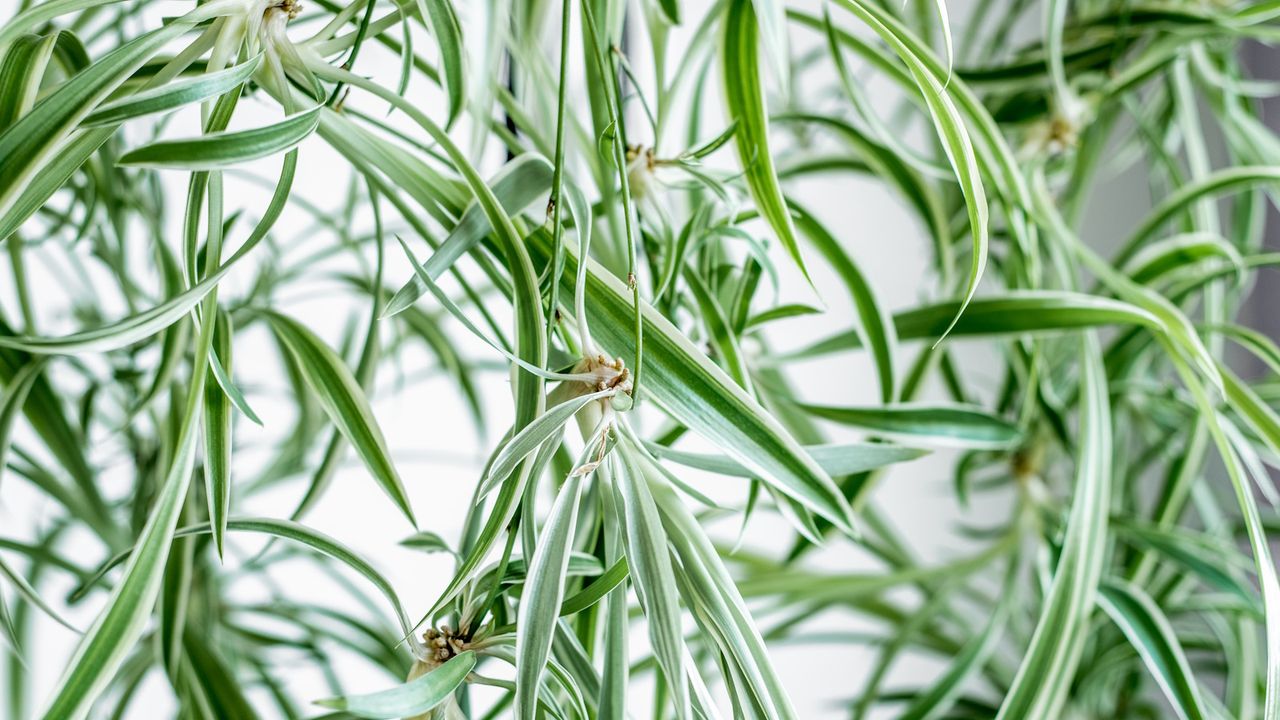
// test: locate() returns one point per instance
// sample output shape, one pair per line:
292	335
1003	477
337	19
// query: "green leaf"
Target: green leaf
781	312
215	150
838	460
1024	312
217	437
172	95
953	425
1210	560
442	21
710	591
14	400
29	593
649	562
1160	258
744	96
33	141
1044	677
1224	181
215	679
593	593
943	695
875	329
112	636
344	402
696	392
516	185
22	71
412	698
951	131
532	436
37	15
1152	636
149	322
294	532
427	542
544	590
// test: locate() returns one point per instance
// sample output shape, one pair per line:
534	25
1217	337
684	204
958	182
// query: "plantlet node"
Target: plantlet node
442	644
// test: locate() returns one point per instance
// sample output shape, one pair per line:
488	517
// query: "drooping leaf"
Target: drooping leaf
412	698
345	404
227	148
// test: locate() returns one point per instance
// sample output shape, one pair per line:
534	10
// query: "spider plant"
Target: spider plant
608	199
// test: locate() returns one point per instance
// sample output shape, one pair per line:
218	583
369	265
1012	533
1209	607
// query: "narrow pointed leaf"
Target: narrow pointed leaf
344	402
215	150
412	698
958	425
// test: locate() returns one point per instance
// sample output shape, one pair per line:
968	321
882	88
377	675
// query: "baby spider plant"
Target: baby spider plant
591	231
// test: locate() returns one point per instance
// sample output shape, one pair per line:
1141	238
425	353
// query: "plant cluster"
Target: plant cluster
620	266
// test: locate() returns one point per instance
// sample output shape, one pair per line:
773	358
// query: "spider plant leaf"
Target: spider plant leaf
149	322
942	695
1181	334
1261	346
232	392
427	542
1029	312
442	21
53	175
1044	676
696	392
708	148
22	71
579	564
44	412
344	402
544	590
530	337
616	671
294	532
412	698
1210	560
1222	182
1018	312
533	436
1154	639
876	330
670	10
707	587
217	437
29	593
1264	567
215	150
516	185
216	680
1159	258
952	132
14	401
726	343
111	638
837	459
172	95
604	583
781	312
37	15
944	21
744	96
12	639
649	562
32	142
1257	414
952	425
